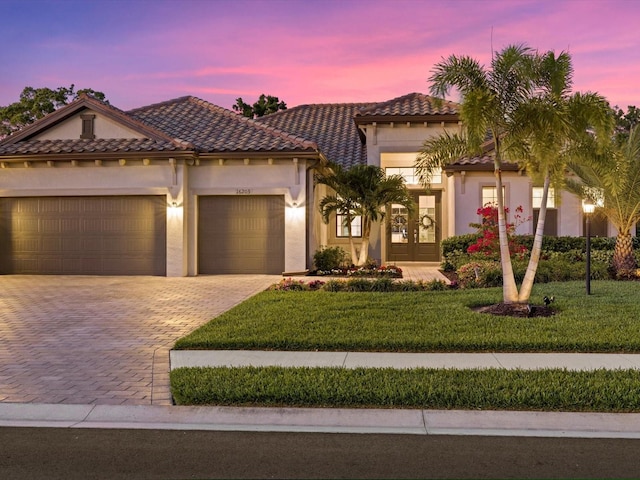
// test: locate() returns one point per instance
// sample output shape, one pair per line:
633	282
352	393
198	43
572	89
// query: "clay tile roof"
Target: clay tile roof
483	162
213	129
37	147
330	126
411	105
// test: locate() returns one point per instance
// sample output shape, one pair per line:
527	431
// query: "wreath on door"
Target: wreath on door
427	221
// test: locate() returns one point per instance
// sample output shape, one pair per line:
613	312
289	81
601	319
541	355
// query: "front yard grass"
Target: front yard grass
606	321
488	389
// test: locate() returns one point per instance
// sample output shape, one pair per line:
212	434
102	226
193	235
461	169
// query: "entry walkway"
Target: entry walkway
421	271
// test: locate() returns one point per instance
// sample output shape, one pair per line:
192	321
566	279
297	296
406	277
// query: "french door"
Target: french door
415	237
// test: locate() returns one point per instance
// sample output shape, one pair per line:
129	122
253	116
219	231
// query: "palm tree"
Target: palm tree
490	98
532	119
613	175
544	130
365	191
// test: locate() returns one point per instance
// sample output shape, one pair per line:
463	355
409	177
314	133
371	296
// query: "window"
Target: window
536	197
409	175
87	126
341	226
551	219
489	196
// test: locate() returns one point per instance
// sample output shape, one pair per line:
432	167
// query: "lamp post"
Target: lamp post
588	208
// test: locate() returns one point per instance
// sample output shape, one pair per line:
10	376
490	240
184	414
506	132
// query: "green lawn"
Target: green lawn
606	321
490	389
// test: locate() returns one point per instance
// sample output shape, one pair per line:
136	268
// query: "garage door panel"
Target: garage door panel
243	234
84	235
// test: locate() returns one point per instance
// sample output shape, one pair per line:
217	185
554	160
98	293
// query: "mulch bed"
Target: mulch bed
517	310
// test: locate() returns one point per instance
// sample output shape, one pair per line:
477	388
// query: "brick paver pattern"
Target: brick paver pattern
103	340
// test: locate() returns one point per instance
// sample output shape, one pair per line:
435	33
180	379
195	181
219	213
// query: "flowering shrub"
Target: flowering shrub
289	284
488	243
390	271
381	284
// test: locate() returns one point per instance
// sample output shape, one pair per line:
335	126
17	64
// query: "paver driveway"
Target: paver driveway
103	340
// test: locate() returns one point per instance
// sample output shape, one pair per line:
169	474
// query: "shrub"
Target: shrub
358	285
383	284
434	285
480	274
335	286
330	258
289	284
458	243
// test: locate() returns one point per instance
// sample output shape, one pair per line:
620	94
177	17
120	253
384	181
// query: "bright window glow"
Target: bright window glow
536	197
343	231
489	196
409	175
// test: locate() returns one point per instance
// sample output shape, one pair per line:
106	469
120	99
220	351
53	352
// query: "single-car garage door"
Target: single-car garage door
241	234
114	235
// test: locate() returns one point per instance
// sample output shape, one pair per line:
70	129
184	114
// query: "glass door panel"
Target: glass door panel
399	224
427	218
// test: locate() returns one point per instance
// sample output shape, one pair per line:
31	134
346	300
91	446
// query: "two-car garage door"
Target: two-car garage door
101	235
127	235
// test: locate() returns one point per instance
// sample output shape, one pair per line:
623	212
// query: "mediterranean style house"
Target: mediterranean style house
185	187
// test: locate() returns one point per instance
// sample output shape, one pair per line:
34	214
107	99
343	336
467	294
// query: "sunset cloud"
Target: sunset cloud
313	51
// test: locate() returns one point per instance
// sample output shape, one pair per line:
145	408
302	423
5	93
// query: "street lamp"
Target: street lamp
588	208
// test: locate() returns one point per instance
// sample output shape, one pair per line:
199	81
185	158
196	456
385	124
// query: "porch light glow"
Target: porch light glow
588	207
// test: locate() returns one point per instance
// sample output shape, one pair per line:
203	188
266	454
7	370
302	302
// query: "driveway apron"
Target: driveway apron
103	340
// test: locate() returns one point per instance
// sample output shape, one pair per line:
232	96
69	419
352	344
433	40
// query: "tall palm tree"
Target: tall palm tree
490	98
615	175
532	119
365	191
545	127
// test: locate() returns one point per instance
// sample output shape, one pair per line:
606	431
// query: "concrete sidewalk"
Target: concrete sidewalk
329	420
510	361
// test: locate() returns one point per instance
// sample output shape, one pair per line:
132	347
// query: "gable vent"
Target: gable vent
87	126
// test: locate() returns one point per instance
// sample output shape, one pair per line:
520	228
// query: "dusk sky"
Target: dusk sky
140	52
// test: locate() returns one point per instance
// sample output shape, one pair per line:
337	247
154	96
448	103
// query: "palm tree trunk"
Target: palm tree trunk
536	249
352	245
364	245
509	287
623	259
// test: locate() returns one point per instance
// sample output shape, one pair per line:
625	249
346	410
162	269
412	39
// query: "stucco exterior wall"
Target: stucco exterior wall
518	192
234	177
103	127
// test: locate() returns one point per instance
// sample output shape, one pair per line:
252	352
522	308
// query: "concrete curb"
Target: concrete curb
324	420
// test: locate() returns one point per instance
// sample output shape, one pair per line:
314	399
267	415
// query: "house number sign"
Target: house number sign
243	191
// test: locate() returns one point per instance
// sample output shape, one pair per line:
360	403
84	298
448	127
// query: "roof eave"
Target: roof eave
368	119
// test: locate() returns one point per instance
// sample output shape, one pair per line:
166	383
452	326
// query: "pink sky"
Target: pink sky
143	51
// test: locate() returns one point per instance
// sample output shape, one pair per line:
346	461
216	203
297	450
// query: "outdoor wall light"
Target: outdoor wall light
174	204
294	204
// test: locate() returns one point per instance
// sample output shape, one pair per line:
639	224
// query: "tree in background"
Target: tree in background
265	105
625	121
35	103
611	179
364	191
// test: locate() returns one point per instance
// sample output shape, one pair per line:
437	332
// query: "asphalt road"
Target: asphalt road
35	453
